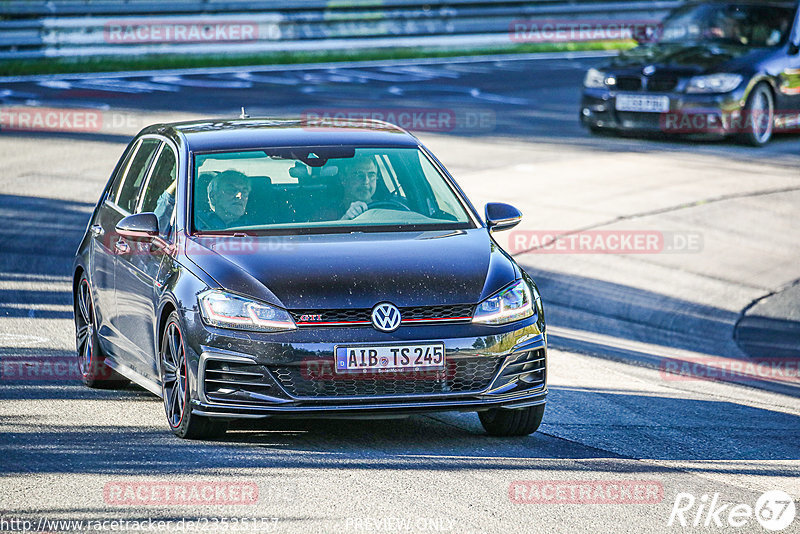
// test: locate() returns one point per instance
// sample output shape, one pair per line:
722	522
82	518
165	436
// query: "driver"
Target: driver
359	181
726	27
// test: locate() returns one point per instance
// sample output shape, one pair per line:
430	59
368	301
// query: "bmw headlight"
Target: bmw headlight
594	79
511	304
714	83
232	311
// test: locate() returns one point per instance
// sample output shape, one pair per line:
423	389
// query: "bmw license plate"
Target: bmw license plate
389	358
642	103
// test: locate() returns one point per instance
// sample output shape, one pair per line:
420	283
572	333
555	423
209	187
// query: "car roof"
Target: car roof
232	134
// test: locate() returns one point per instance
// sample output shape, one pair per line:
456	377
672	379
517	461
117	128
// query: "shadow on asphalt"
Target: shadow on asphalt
720	430
618	310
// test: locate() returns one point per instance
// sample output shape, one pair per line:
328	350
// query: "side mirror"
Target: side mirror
142	226
794	48
501	216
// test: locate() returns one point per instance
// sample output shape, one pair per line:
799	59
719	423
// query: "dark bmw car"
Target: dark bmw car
263	268
719	68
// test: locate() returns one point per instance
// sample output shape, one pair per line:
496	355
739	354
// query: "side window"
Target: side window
158	194
129	192
112	193
445	204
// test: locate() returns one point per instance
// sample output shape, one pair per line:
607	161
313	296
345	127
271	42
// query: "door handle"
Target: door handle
122	247
97	230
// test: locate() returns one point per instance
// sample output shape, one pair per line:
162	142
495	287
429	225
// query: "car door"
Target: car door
102	252
139	282
787	102
124	203
791	74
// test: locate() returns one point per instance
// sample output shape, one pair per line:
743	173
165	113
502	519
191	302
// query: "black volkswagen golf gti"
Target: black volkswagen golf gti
263	268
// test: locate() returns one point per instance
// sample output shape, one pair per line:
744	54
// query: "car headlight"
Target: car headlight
232	311
714	83
594	79
509	305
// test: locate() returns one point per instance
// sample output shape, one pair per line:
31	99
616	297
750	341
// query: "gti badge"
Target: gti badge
307	318
386	317
649	70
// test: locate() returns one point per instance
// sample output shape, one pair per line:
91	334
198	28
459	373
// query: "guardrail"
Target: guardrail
38	29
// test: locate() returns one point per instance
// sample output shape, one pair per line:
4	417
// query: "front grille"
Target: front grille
239	382
424	313
653	84
527	368
661	84
653	122
361	316
629	83
316	379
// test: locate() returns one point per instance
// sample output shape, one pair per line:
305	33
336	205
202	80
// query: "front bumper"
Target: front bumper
248	375
406	407
699	114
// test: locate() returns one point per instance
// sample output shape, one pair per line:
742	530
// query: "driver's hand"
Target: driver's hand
356	208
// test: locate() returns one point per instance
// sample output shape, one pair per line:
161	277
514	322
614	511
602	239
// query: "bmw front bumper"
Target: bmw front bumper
712	114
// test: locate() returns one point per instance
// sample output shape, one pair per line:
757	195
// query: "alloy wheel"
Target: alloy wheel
84	332
173	378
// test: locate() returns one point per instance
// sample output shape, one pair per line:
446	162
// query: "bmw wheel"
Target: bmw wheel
175	388
518	422
759	116
94	372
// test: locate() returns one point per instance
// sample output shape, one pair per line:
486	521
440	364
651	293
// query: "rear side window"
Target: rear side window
129	192
163	176
112	193
158	195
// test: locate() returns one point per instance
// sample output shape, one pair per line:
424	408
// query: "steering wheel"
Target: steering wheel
391	204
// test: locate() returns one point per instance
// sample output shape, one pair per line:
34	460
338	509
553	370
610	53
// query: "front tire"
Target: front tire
759	116
175	388
518	422
91	360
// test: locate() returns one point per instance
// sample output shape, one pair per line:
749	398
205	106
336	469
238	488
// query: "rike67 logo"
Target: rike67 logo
774	510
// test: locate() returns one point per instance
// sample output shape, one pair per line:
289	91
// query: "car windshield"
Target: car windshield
322	189
742	24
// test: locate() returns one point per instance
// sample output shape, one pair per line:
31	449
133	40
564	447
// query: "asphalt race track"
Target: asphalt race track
721	285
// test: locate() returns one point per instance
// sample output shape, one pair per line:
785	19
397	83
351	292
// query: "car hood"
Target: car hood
686	58
357	270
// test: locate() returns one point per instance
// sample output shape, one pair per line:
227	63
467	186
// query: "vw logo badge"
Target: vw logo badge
386	317
649	70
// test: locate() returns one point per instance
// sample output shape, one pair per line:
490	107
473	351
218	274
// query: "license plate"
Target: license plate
645	103
389	358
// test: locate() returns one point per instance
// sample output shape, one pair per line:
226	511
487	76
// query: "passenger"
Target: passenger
227	192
